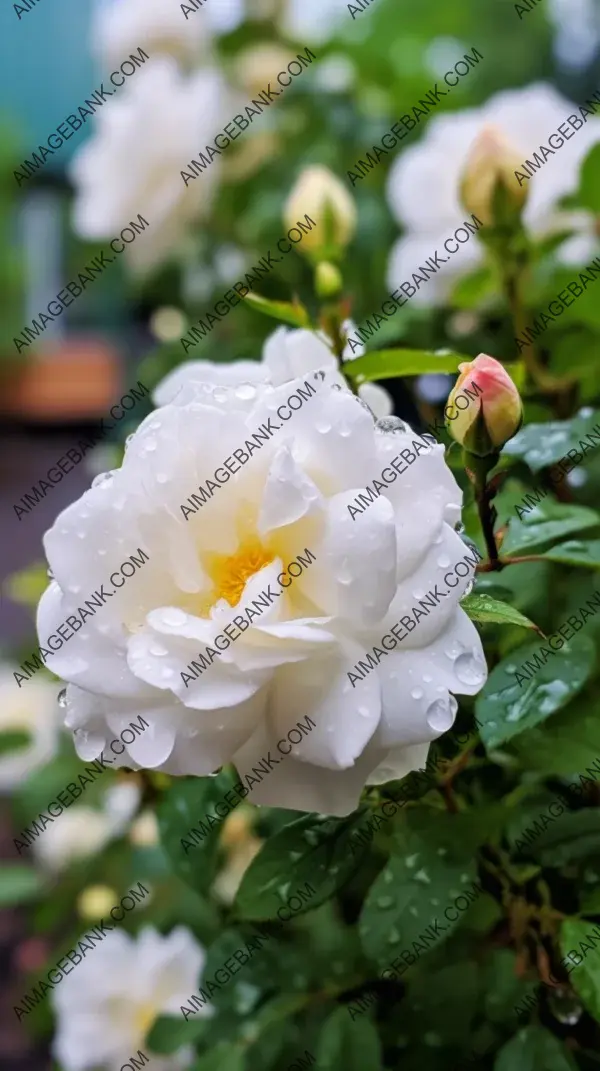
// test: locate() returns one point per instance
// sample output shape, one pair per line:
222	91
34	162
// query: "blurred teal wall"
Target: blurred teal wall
45	71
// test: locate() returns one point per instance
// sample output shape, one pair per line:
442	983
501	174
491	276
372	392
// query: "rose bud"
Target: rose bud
320	195
489	188
484	408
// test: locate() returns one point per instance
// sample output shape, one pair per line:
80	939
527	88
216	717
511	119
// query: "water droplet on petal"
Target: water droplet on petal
440	714
470	669
417	693
49	574
158	649
391	425
245	392
62	698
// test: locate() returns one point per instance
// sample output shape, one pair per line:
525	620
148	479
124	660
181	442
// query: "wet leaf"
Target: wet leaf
581	938
576	552
351	1044
518	696
410	907
540	445
315	851
533	1049
546	522
484	608
388	364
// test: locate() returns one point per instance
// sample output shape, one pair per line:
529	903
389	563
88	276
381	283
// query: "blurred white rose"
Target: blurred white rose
423	186
161	26
133	163
286	355
33	711
82	831
313	21
158	26
106	1007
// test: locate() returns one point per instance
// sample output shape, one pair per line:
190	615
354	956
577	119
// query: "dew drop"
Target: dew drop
103	479
391	425
62	698
470	669
220	394
565	1006
384	902
443	562
417	693
245	392
49	574
158	649
440	714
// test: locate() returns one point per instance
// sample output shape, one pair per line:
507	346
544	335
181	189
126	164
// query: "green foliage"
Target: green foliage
388	364
314	851
579	937
486	609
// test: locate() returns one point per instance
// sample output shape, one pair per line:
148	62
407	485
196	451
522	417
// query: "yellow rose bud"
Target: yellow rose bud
484	408
489	188
319	194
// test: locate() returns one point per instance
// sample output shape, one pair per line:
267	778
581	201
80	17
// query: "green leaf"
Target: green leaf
14	740
534	1049
225	1056
506	707
184	807
351	1045
576	552
430	866
18	883
566	745
540	445
313	850
388	364
284	311
585	978
168	1033
572	836
589	181
546	522
487	609
591	903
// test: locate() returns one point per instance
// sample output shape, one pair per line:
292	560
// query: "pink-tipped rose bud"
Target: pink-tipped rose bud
489	188
484	408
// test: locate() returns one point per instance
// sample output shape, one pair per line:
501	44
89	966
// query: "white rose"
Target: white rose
306	465
120	27
314	21
423	187
132	165
107	1005
34	712
82	831
287	354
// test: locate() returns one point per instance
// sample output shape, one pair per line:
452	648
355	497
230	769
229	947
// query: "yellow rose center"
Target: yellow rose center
143	1018
230	572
